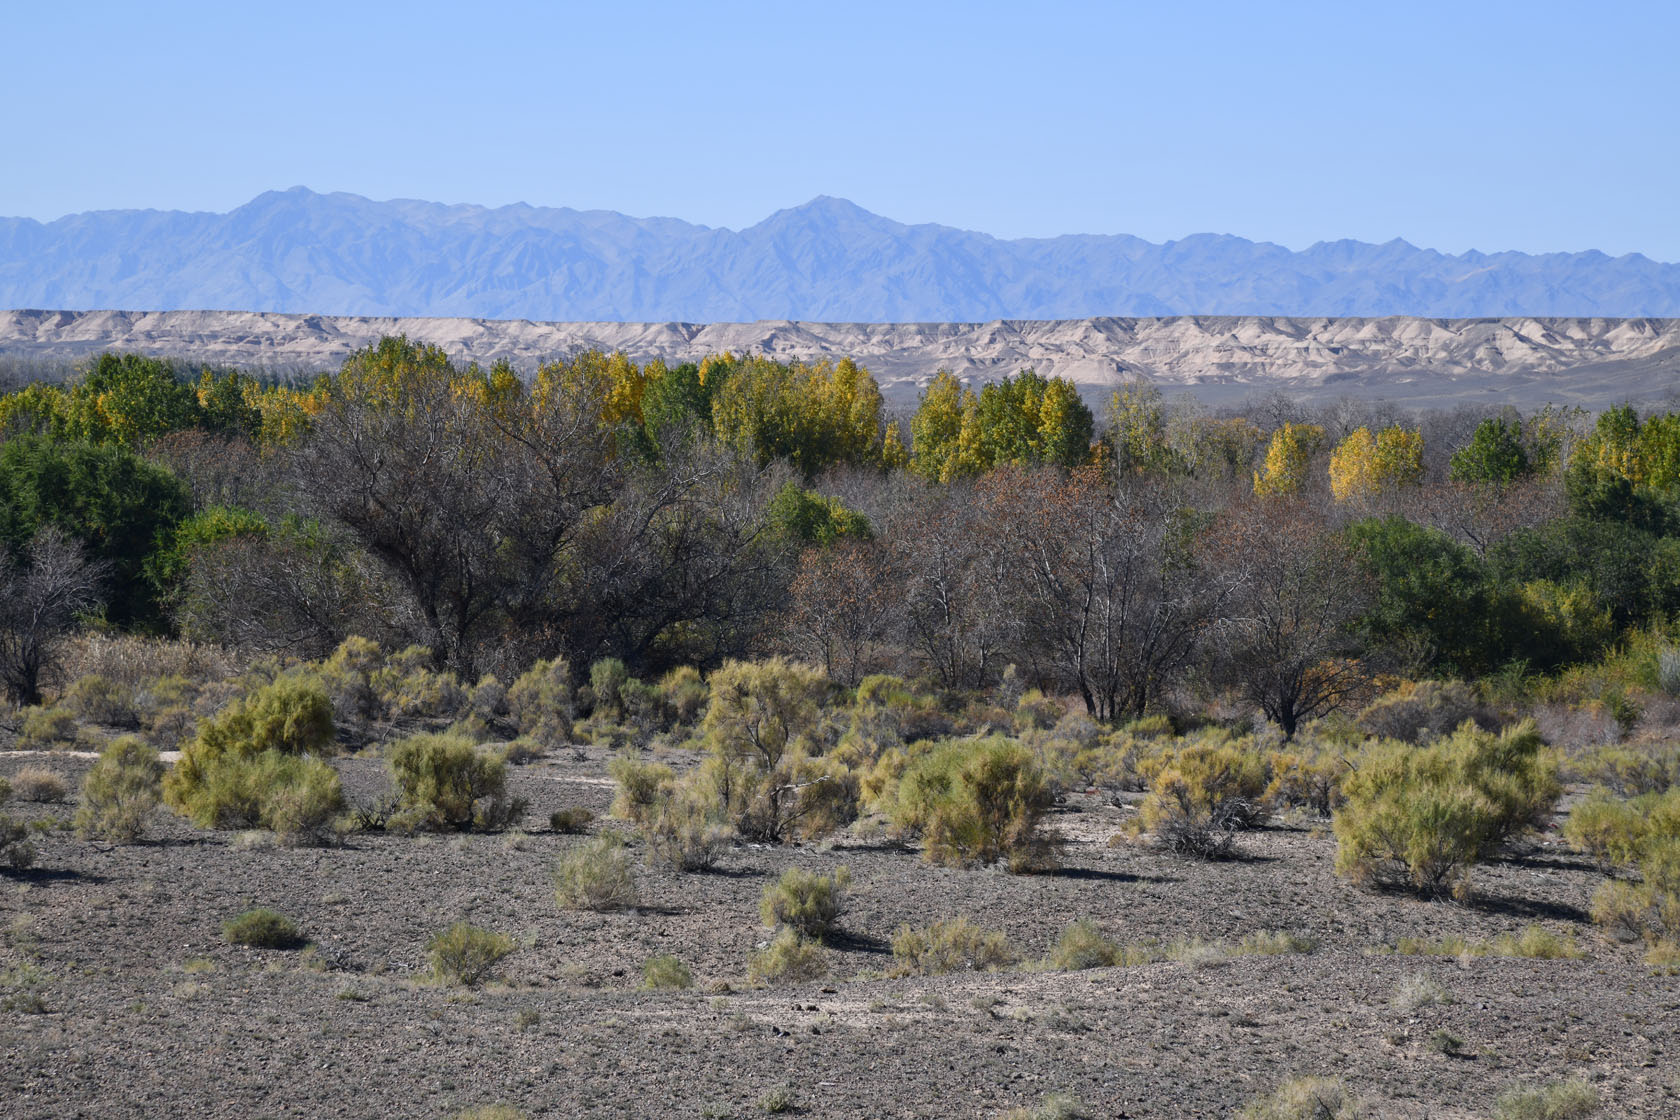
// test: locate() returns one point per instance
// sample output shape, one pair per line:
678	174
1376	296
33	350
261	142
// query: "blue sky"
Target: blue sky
1532	126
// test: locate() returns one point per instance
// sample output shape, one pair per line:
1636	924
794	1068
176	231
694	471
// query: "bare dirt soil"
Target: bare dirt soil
139	1007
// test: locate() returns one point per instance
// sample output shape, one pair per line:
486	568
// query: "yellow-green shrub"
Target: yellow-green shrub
790	959
1417	711
953	945
977	801
642	788
596	875
464	954
1421	817
99	700
541	703
1200	794
253	764
808	903
446	782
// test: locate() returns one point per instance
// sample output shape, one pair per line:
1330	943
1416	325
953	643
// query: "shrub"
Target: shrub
642	788
1306	1098
789	959
686	835
1200	795
35	783
1053	1106
1307	777
684	694
758	710
233	774
540	703
597	875
98	700
262	929
1556	1100
120	792
1082	945
1422	817
464	954
1630	772
446	782
1617	832
976	802
955	945
1668	670
493	1112
16	851
805	902
409	685
48	728
1419	711
606	677
572	821
1417	991
666	972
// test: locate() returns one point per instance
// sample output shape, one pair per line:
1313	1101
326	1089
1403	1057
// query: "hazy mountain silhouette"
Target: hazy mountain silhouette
828	260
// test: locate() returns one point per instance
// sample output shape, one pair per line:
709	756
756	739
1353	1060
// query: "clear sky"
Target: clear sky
1535	126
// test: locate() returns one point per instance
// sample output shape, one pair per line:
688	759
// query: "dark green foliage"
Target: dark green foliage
803	517
1434	599
121	507
262	929
1494	454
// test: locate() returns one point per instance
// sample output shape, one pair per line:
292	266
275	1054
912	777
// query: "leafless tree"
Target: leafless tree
39	600
1287	639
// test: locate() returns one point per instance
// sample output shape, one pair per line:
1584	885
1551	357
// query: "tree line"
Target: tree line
685	514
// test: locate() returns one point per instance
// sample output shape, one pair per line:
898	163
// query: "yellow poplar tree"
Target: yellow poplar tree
1287	458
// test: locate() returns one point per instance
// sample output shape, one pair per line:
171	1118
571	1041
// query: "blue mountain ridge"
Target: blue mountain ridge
828	261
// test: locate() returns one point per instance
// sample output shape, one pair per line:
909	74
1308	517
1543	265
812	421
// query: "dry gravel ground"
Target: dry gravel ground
147	1012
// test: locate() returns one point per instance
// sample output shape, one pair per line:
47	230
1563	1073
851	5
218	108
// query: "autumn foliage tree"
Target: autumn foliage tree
1364	466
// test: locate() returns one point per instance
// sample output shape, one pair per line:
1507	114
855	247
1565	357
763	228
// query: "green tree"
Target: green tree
1495	454
122	508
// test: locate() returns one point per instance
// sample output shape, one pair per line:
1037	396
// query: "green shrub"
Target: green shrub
446	782
98	700
493	1112
35	783
464	954
1082	945
411	685
48	729
955	945
1423	817
541	704
805	902
666	972
1534	943
120	792
974	802
262	929
642	788
572	821
1630	772
1306	1098
597	875
789	959
1306	779
1556	1100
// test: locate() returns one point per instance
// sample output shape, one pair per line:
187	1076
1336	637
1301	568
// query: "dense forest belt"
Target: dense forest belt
1421	362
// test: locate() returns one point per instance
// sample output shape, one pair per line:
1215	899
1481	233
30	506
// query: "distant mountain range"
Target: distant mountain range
826	261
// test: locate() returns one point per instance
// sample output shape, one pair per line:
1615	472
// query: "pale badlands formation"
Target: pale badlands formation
1435	362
